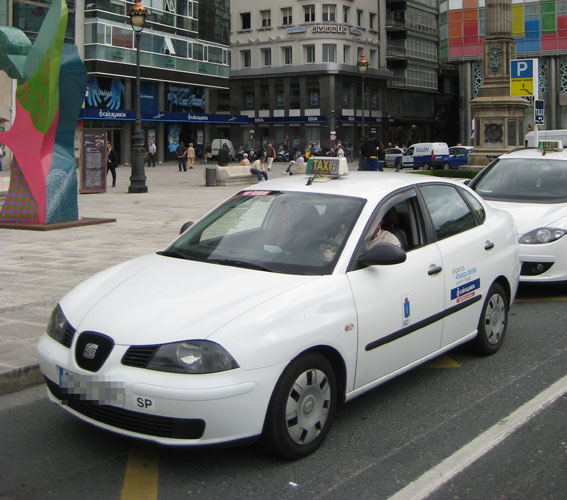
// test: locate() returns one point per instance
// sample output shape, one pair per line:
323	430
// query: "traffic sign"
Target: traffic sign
524	77
539	111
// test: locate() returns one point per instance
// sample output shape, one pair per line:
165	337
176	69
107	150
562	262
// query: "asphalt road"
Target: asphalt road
391	441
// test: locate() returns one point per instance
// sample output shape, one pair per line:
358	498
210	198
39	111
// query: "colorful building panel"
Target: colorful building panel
539	27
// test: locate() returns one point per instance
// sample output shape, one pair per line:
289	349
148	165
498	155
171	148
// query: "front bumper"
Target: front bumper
167	408
544	263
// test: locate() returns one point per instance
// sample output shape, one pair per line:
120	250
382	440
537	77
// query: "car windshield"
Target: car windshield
284	232
392	151
525	180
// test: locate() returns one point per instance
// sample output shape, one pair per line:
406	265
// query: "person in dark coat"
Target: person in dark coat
223	156
111	162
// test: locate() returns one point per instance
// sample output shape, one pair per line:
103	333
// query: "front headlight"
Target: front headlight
59	328
192	356
542	235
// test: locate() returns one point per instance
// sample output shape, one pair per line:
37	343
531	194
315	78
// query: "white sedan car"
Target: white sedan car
280	304
393	156
531	185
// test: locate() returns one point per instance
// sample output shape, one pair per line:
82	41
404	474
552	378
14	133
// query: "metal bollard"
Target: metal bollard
210	176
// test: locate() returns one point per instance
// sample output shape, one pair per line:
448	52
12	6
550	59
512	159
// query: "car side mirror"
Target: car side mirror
185	226
382	254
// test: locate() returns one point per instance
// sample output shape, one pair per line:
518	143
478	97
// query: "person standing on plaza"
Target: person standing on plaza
111	162
151	153
370	153
190	155
270	155
181	153
381	157
223	156
258	169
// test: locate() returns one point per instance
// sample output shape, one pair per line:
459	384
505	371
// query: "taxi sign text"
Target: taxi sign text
327	166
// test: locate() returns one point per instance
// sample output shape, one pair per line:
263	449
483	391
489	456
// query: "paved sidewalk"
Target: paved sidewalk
38	267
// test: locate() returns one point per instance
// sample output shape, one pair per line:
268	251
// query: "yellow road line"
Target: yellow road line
547	299
141	477
441	362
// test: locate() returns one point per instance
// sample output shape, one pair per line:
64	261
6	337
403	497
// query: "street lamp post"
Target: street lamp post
138	15
362	67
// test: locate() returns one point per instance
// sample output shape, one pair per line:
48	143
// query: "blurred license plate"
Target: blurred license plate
95	388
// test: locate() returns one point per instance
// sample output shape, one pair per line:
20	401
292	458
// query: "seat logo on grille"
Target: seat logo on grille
90	350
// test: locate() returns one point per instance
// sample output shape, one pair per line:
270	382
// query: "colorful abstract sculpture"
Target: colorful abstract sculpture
43	182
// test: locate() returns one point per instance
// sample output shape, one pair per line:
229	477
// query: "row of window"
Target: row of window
106	34
329	13
350	96
328	54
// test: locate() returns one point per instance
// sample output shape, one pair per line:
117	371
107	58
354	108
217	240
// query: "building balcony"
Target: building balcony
153	60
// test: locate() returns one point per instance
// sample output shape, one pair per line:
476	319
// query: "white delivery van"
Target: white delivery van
426	155
546	135
218	143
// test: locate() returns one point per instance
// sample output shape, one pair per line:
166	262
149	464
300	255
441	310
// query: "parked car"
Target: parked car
279	305
216	144
426	155
393	156
458	157
531	185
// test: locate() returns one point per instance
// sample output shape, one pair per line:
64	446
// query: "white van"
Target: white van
546	135
218	143
426	155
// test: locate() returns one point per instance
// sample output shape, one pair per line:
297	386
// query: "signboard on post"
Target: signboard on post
539	111
524	77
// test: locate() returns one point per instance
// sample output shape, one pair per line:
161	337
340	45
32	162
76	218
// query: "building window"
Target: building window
294	96
310	53
312	95
346	54
122	37
266	57
246	58
373	58
287	55
372	21
329	53
359	14
286	16
245	23
266	17
346	14
309	13
329	13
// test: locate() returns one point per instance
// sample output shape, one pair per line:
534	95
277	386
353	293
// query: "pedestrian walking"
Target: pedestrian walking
181	153
111	162
223	156
381	157
2	154
270	155
151	154
190	155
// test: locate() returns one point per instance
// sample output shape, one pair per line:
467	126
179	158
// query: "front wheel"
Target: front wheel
492	323
426	166
302	407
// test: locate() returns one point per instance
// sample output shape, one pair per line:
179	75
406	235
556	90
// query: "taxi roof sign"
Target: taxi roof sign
325	168
550	145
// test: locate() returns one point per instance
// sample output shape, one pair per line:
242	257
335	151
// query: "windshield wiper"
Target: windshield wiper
239	263
173	253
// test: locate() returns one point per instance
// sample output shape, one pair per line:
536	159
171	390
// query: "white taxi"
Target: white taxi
531	184
289	298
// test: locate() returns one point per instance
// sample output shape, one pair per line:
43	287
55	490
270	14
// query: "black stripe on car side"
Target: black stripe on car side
421	324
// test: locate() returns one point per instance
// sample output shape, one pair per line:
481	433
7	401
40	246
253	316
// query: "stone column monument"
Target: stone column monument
499	118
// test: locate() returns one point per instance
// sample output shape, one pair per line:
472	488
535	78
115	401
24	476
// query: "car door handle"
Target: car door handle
434	270
488	245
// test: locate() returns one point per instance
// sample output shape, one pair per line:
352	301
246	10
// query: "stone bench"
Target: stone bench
233	174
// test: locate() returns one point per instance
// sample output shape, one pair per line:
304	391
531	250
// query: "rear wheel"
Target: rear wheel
302	407
446	166
492	323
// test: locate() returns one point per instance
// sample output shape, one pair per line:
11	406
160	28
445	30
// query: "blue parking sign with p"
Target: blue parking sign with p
524	77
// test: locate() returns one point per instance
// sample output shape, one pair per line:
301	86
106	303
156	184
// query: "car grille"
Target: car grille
92	350
139	356
151	425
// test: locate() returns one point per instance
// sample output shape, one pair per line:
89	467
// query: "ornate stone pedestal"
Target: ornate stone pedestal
499	118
